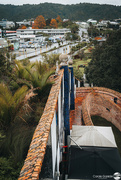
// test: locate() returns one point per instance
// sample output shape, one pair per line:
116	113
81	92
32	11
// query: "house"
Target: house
25	22
113	25
7	24
102	24
93	22
84	25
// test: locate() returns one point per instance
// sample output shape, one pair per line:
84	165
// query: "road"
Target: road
36	53
29	52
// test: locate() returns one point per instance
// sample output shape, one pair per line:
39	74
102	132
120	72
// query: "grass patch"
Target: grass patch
78	62
99	121
84	61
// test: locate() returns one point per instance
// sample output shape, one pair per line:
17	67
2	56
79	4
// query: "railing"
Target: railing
57	129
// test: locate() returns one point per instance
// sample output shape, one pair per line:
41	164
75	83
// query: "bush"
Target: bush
78	74
8	170
16	141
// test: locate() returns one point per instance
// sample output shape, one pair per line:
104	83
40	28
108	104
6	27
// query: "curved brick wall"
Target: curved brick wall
83	91
33	162
86	111
100	101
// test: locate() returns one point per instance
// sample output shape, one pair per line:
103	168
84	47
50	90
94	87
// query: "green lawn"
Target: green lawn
77	62
99	121
84	61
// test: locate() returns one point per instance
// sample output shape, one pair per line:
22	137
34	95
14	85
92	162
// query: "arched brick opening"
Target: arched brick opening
101	103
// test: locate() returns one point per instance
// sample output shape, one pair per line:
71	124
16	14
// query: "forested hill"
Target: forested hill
82	11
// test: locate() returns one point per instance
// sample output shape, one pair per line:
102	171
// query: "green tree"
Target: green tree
74	28
105	67
48	21
93	32
74	32
49	43
51	59
36	75
13	106
81	54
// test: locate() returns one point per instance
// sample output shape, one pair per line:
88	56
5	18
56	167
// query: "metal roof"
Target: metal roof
92	136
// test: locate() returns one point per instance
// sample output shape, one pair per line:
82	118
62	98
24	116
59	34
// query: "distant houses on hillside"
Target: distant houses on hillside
5	24
101	24
115	24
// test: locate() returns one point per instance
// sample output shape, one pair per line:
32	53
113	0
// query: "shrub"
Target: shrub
8	170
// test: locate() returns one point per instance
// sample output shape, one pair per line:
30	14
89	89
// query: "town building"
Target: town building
7	24
39	31
113	25
93	22
25	22
102	24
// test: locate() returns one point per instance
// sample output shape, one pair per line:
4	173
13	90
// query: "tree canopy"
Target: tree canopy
53	23
59	19
105	67
39	22
22	27
81	11
74	28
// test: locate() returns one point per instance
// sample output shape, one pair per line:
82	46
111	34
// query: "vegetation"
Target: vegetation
74	32
9	170
93	31
58	19
53	23
51	59
81	59
105	67
77	47
99	121
39	22
24	89
81	11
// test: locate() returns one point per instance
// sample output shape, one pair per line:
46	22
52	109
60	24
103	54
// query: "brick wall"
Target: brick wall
100	101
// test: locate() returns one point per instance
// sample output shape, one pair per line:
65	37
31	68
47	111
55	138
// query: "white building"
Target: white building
102	24
94	22
52	32
84	25
65	20
10	24
7	24
25	22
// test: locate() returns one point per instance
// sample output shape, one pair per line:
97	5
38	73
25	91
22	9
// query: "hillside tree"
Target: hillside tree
105	67
58	19
39	22
53	23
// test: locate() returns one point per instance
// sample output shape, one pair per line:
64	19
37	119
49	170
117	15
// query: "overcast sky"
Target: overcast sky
20	2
